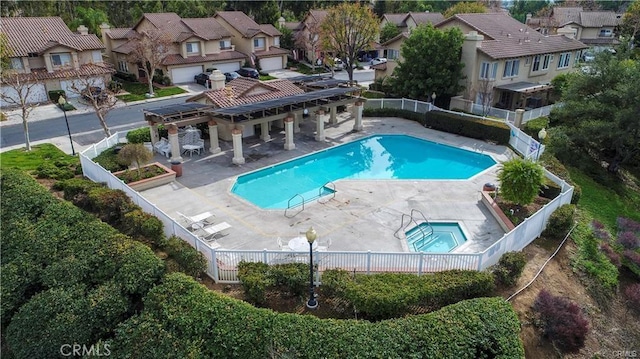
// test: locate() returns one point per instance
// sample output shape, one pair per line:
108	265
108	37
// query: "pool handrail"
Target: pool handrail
289	206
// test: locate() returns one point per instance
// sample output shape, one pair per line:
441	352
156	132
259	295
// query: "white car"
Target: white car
378	60
338	65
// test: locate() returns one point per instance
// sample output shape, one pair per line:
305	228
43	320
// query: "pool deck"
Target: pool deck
364	215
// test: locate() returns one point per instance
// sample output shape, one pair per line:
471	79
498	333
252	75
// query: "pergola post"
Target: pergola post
296	122
320	125
333	119
175	143
213	133
357	114
264	129
153	130
236	135
288	133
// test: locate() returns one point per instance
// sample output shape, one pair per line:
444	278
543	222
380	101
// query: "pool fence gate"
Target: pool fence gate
222	264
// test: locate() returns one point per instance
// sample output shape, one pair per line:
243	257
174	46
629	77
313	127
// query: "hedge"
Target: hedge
188	320
391	295
258	277
458	124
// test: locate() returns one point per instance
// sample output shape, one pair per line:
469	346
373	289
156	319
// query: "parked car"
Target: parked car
588	56
230	76
249	72
202	78
338	65
378	60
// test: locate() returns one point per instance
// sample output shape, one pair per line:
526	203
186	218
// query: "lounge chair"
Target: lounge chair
216	229
163	147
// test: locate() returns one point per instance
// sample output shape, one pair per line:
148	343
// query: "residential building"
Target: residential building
594	28
260	43
308	40
508	64
197	44
43	50
405	23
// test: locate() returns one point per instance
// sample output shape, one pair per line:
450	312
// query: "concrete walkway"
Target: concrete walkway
364	214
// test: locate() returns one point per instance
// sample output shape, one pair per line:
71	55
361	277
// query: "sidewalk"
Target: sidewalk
49	110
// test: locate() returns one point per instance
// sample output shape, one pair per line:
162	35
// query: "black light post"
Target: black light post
62	102
311	237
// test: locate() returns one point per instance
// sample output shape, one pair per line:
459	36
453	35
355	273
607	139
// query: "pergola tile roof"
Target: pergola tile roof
243	91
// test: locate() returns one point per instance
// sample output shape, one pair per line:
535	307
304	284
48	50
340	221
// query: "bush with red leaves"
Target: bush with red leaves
562	322
611	253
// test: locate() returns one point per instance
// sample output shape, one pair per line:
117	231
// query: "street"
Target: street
85	128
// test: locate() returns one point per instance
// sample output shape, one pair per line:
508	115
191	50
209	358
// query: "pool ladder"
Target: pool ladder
425	231
330	186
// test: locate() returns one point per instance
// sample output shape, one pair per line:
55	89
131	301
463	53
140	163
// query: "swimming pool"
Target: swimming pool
375	157
444	238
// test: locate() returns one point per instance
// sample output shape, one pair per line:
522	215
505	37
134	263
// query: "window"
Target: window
536	63
258	43
578	57
544	59
488	70
276	41
565	60
61	59
16	63
225	44
123	66
511	68
393	54
193	48
606	33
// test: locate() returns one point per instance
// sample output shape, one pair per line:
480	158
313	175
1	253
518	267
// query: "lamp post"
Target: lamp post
62	102
433	98
311	237
542	134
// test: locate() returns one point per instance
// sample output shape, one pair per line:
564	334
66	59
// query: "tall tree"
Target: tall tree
630	26
149	51
348	29
388	32
89	17
102	100
599	116
465	8
520	8
430	63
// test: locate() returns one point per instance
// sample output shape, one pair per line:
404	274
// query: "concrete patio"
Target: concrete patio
364	215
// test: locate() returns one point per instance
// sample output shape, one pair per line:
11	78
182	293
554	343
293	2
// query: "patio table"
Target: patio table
300	244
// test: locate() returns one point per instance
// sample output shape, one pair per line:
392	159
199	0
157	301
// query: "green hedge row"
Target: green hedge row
258	277
391	295
458	124
181	318
116	208
66	277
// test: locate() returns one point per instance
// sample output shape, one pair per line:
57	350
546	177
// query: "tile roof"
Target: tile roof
318	15
566	15
270	30
396	19
599	19
207	28
294	26
37	34
272	52
241	22
506	37
167	22
125	48
83	71
246	90
177	59
118	33
181	29
426	17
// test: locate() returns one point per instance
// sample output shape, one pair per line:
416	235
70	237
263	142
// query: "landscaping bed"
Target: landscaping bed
137	91
151	175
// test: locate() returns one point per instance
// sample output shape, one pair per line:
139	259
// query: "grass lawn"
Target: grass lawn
266	77
605	204
29	161
137	91
304	69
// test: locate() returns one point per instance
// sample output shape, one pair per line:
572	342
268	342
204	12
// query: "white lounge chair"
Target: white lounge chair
163	147
198	221
216	229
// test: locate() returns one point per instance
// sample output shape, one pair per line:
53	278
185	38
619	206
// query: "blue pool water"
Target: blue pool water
375	157
445	237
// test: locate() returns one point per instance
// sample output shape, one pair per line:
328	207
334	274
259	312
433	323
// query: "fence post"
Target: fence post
381	103
368	261
519	116
214	265
264	256
415	107
402	106
420	263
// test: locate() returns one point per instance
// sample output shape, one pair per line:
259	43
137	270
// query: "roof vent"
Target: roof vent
521	30
539	40
508	35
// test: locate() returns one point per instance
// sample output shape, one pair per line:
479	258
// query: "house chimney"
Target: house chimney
528	17
104	26
281	22
217	80
82	30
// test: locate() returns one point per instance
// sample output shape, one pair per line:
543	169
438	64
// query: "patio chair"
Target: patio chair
219	229
163	147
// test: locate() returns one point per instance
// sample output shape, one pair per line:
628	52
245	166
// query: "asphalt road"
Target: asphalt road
85	127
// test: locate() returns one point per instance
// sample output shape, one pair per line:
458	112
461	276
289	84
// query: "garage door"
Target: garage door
181	75
72	92
227	67
271	64
36	93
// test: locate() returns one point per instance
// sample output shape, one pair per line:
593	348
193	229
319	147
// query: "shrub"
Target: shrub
257	278
562	322
135	152
599	231
143	227
534	126
189	259
520	180
139	135
626	224
115	86
594	263
252	276
125	76
631	260
389	295
108	159
628	240
55	95
510	267
293	277
57	171
560	221
110	205
75	187
554	166
611	254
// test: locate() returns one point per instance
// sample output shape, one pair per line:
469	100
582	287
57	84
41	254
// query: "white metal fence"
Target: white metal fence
222	264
